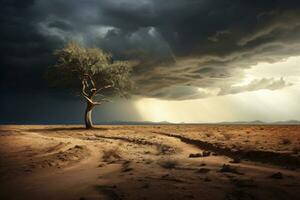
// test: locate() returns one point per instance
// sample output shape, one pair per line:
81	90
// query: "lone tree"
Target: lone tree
92	73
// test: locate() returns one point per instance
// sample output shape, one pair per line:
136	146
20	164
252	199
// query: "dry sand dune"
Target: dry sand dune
229	162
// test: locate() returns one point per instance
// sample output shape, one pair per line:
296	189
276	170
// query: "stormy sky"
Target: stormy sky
198	60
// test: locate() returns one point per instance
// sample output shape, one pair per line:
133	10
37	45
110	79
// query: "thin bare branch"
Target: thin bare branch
105	87
97	103
100	95
106	100
88	99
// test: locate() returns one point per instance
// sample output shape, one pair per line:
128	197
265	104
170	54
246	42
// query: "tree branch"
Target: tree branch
105	87
91	79
88	99
83	82
106	100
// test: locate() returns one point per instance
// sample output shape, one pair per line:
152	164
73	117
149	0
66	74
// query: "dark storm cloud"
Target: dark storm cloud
181	45
24	52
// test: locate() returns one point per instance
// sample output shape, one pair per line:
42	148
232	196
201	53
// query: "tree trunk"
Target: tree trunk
88	115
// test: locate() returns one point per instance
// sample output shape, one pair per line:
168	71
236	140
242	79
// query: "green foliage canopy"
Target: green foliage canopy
80	68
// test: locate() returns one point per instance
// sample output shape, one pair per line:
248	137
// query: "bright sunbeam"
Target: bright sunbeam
264	105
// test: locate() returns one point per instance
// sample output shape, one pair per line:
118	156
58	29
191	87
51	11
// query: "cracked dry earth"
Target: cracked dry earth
150	162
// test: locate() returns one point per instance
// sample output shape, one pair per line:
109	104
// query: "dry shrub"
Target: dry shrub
229	169
111	154
164	149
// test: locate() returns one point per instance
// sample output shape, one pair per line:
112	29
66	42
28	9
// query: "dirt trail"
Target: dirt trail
138	172
189	146
71	182
269	157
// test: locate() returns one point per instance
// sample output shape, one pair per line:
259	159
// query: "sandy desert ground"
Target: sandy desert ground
207	162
